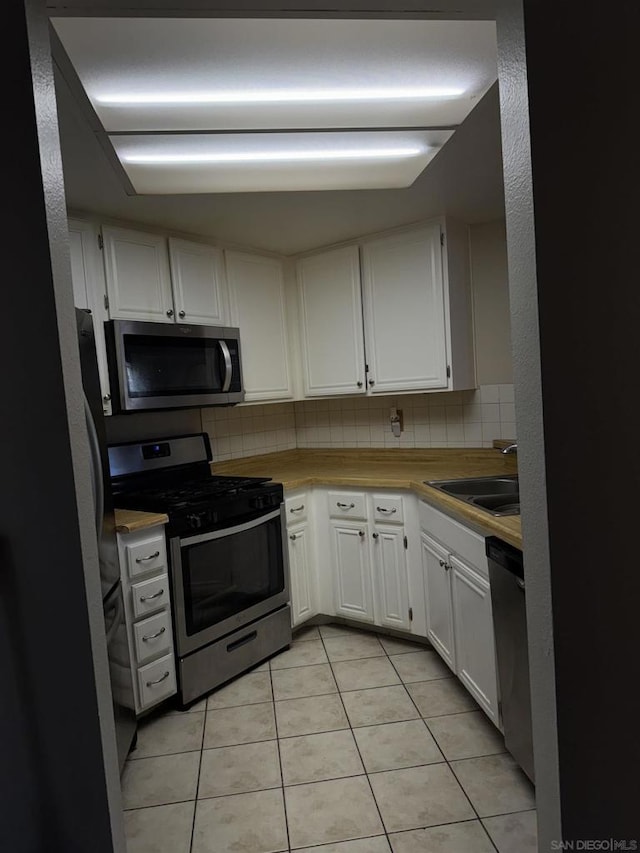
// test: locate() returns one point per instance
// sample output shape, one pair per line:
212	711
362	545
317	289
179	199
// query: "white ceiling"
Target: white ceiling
463	180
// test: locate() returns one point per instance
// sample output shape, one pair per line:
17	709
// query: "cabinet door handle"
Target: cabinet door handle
146	559
293	537
371	383
170	312
345	506
359	384
157	594
361	533
159	680
106	398
375	535
297	508
382	509
444	564
153	636
182	313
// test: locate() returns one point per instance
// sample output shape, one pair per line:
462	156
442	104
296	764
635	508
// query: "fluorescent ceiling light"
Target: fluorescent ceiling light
275	156
281	96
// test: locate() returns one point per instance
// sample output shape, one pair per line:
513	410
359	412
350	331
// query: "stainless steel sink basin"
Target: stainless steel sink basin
498	495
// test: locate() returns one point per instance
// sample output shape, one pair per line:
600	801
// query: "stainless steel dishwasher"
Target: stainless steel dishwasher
506	576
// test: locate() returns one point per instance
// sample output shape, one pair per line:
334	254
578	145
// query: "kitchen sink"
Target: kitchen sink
497	495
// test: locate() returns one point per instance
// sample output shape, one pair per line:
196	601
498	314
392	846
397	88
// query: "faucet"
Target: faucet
511	448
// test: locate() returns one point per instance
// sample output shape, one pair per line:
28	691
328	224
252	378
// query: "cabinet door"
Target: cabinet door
352	571
199	284
437	581
331	323
137	271
303	598
256	289
475	645
392	594
404	311
87	276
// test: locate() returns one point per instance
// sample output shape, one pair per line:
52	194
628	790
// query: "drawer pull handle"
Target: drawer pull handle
153	636
242	641
293	537
159	680
390	511
345	506
157	594
146	559
297	508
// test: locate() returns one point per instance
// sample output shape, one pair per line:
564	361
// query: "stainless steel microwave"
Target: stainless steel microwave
172	366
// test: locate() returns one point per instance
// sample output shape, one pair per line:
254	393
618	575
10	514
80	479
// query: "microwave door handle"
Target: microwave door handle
228	366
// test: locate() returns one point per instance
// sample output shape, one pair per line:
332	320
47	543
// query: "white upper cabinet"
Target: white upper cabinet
404	311
89	292
331	323
199	284
137	271
411	293
258	308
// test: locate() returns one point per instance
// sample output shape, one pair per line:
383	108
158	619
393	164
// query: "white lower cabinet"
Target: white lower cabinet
438	599
458	604
147	607
475	647
303	598
392	590
352	570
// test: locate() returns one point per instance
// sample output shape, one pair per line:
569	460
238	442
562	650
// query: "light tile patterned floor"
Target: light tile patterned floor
325	750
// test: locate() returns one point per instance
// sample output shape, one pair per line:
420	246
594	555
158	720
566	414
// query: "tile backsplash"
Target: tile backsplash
450	419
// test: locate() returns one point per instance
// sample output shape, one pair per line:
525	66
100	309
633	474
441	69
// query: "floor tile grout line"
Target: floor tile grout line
284	798
384	827
195	806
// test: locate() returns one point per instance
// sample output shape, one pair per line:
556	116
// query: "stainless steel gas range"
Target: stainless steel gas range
228	559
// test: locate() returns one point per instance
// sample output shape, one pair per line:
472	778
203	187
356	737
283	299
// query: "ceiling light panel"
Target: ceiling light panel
273	162
226	74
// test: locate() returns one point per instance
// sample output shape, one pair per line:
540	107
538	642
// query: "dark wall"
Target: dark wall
55	754
581	69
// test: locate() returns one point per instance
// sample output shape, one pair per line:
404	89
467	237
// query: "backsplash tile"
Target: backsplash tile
450	419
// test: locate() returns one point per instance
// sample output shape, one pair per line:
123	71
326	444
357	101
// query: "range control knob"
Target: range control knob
262	501
195	520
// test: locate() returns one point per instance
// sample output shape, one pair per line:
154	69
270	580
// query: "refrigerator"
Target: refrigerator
112	601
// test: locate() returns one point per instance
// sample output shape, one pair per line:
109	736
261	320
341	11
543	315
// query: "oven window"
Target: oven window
223	577
161	366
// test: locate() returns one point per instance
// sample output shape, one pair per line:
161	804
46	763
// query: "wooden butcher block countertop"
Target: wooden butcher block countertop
130	520
390	469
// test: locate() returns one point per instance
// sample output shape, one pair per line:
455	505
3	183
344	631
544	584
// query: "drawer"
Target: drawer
152	637
388	508
150	595
456	537
348	505
157	680
296	508
147	556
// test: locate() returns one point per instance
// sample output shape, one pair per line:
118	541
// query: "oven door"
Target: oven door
227	578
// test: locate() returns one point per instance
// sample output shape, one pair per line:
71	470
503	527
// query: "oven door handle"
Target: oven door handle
229	531
228	366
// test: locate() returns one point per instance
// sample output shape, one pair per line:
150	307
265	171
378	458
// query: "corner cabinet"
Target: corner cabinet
331	323
258	308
